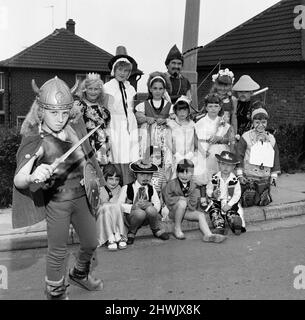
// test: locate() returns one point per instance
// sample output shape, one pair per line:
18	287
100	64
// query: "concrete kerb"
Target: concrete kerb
29	238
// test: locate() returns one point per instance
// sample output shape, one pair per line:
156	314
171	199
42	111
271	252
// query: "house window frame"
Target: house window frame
80	77
2	81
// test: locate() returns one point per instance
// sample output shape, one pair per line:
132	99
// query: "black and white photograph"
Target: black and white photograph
152	153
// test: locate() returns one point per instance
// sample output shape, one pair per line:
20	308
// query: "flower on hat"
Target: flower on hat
221	72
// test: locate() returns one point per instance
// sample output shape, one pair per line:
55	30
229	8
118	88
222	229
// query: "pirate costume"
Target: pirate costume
63	198
230	193
134	216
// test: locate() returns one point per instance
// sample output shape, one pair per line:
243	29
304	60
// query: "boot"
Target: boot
84	279
56	290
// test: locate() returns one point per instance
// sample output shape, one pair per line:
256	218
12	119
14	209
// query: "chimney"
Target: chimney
70	25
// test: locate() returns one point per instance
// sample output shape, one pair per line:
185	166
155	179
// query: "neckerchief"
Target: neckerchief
185	190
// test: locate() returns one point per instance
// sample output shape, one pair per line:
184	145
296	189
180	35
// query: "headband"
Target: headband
258	111
157	77
119	60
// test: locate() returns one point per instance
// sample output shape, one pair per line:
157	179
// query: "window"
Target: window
1	81
20	120
1	101
80	77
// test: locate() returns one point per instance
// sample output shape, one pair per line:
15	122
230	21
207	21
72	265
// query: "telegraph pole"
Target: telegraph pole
190	40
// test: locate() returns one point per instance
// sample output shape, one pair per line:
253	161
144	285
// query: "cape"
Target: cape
28	204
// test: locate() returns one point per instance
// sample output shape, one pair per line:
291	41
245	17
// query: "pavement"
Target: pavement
288	207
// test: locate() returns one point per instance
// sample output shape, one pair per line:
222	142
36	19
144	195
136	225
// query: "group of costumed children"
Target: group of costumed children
139	165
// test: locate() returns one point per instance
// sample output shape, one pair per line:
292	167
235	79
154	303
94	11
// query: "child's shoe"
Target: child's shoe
219	230
235	224
112	246
122	244
217	238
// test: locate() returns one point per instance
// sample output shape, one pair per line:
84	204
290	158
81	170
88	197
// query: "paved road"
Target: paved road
255	265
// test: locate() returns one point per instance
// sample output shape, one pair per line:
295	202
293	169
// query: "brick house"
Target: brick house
61	53
272	51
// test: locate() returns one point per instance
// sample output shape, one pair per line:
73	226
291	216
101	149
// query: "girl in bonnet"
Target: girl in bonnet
123	128
152	116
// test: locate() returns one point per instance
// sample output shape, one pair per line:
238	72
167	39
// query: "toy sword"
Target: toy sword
62	158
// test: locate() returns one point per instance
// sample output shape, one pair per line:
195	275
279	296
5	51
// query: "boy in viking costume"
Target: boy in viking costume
140	202
180	84
224	191
64	191
259	156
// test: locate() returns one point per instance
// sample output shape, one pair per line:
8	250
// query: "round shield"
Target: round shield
92	187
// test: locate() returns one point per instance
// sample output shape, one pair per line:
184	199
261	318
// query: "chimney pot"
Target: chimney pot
70	25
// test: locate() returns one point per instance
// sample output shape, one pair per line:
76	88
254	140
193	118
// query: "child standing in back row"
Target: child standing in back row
91	95
152	114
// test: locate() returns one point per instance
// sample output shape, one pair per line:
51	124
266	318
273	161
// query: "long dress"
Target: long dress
152	137
205	129
110	224
123	128
181	144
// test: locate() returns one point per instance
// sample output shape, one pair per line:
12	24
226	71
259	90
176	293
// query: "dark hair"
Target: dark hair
185	165
180	105
212	98
110	170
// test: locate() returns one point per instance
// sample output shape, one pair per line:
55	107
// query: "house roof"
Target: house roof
268	37
61	50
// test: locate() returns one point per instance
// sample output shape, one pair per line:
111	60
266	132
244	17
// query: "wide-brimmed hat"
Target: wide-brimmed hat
245	83
227	157
173	54
121	53
143	166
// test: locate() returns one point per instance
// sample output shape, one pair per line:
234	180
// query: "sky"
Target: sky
147	28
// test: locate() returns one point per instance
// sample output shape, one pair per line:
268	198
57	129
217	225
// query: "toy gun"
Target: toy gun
260	91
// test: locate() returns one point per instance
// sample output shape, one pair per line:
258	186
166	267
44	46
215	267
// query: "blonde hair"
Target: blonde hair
81	92
34	118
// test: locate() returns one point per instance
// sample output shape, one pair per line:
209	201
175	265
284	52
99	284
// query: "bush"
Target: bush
290	140
9	143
